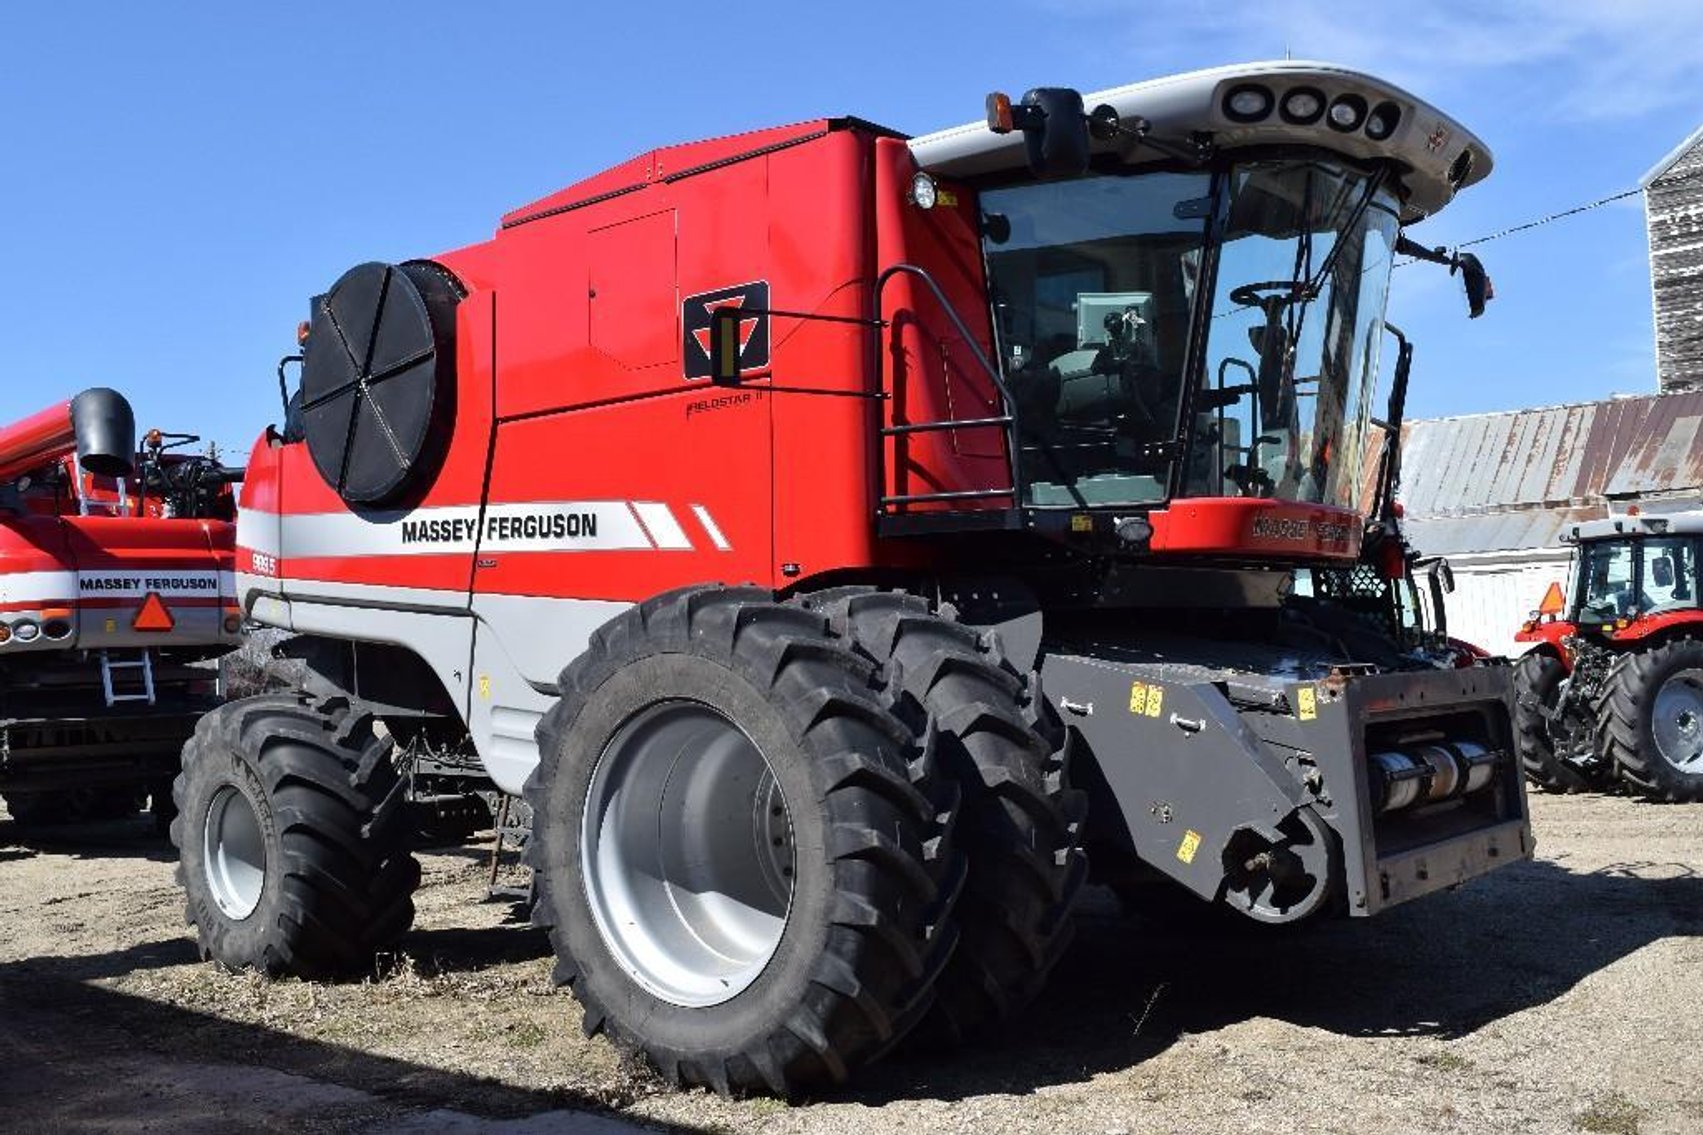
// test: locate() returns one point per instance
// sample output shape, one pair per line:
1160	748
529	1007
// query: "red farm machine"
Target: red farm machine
115	576
1613	684
1010	441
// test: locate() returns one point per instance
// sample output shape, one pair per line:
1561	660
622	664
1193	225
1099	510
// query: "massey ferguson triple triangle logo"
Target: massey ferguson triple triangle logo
753	330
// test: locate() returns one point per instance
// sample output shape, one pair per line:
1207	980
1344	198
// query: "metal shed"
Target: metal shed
1494	492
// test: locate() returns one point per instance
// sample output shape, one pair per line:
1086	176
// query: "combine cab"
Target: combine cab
1613	684
842	540
115	576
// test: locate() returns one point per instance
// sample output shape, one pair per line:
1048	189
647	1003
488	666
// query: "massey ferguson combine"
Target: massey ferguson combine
836	537
1613	685
115	574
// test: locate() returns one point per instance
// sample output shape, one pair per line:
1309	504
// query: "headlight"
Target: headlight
923	193
1383	121
1302	105
1247	103
25	630
1347	112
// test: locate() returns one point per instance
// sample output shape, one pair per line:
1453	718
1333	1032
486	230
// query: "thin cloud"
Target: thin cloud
1595	62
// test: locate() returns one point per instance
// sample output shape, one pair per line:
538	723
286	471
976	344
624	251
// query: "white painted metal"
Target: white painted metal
1426	140
1494	594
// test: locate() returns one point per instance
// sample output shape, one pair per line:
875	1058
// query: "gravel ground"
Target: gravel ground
1560	995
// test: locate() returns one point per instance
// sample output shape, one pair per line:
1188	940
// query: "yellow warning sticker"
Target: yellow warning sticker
111	626
1138	697
1190	845
1082	522
485	687
1307	703
1155	699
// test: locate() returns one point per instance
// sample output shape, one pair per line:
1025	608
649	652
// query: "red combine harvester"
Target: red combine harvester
1613	684
1017	434
115	575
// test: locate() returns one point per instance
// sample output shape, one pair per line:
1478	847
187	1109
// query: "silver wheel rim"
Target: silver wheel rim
687	854
234	853
1677	722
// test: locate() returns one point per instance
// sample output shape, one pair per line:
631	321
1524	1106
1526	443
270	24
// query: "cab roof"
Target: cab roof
1440	154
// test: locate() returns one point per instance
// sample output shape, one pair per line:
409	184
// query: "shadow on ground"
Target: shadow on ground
69	1026
1130	987
1443	967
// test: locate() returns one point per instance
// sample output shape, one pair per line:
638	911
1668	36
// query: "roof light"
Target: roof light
1302	105
1247	103
1347	112
1383	121
923	194
1462	167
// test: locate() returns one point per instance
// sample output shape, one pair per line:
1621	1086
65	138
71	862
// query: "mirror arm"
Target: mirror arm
1407	246
1104	123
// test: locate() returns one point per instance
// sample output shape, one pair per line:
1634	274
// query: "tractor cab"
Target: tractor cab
1186	287
1612	684
1633	575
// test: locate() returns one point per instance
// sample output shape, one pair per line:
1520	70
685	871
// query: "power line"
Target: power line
1541	221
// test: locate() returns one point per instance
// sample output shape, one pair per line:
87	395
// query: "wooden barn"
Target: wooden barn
1673	212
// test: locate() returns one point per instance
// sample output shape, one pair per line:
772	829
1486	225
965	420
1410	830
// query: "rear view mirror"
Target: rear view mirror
1054	126
1661	570
1444	576
1478	287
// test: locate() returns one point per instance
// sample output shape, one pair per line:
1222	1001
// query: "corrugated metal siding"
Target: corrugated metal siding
1490	601
1673	212
1495	482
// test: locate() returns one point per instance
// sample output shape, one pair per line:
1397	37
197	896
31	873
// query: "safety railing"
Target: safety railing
1005	422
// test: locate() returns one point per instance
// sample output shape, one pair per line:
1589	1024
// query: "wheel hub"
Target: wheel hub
1678	721
234	853
687	854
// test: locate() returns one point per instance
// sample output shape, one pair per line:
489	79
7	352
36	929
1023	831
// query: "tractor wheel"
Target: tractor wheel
1651	722
743	854
1538	685
292	836
1021	822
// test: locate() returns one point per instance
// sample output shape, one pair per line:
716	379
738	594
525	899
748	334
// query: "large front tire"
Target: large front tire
742	851
292	835
1021	825
1652	720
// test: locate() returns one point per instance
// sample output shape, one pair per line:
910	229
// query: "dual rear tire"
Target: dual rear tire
772	839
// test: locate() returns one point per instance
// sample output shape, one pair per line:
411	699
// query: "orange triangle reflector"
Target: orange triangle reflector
153	616
1553	601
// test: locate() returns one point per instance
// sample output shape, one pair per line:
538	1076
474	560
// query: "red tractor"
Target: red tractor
1613	685
115	577
1011	440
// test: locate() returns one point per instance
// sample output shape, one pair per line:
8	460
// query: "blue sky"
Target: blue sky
181	177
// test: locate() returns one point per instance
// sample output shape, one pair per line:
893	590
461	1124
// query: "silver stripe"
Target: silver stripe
659	521
517	526
36	586
708	521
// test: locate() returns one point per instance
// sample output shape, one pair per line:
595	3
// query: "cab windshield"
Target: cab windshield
1621	579
1096	284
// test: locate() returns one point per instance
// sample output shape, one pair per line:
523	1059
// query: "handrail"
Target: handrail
1008	419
